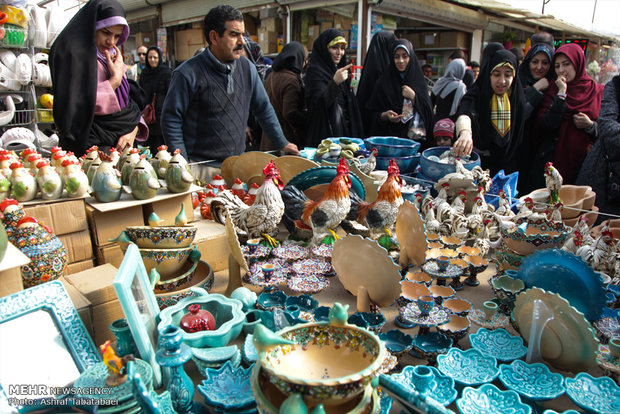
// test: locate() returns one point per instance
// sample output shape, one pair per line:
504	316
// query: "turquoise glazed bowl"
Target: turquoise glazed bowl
392	146
434	170
406	164
488	398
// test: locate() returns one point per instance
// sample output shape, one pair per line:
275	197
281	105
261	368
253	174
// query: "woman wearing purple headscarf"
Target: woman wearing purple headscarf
91	92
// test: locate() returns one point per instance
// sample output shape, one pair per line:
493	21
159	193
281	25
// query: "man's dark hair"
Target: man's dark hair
426	66
216	20
517	52
543	37
457	54
474	64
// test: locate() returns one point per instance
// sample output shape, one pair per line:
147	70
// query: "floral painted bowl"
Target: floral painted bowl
460	307
538	235
330	363
396	341
202	278
459	364
164	237
489	399
411	291
166	261
441	293
228	388
532	381
440	389
228	313
498	343
506	288
456	328
596	395
451	242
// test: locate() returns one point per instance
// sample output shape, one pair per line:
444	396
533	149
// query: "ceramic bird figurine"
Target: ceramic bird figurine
92	169
265	339
338	314
31	163
130	161
294	404
5	163
23	184
56	161
114	156
106	181
5	186
154	220
504	208
178	177
89	157
142	182
553	182
181	218
75	180
122	240
238	188
49	181
371	163
160	160
218	183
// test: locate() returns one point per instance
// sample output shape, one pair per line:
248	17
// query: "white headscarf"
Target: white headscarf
452	81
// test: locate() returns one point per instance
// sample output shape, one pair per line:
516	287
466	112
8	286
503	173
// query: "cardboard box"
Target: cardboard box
211	242
103	316
458	40
268	40
79	266
187	41
96	283
313	32
272	24
429	39
63	217
79	246
169	208
82	305
111	254
414	38
106	225
325	25
342	22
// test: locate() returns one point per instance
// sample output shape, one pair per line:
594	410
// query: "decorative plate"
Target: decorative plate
489	399
251	164
323	250
600	395
411	235
290	252
291	165
432	268
533	381
499	320
437	315
608	327
568	341
569	276
441	388
498	343
606	360
469	367
202	366
258	252
311	267
257	278
308	283
228	388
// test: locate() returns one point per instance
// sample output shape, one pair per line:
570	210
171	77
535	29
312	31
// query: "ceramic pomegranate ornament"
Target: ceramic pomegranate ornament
178	177
106	182
49	181
197	320
12	212
23	184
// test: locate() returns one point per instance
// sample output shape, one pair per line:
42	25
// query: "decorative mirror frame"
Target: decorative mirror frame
131	270
53	298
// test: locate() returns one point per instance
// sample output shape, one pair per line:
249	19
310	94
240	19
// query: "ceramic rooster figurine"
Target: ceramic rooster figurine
323	216
370	164
117	372
553	182
380	215
263	216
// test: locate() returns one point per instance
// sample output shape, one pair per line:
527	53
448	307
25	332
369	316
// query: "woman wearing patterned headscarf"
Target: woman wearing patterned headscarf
91	92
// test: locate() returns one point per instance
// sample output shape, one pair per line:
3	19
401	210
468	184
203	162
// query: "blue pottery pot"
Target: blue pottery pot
392	146
406	164
434	170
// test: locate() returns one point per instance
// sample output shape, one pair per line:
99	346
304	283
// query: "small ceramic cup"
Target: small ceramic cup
268	269
334	151
443	262
490	309
252	244
294	310
425	303
614	348
424	377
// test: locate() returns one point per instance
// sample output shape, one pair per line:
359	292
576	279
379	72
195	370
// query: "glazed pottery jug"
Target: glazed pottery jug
23	184
172	354
106	181
74	179
49	181
125	344
178	177
160	161
142	182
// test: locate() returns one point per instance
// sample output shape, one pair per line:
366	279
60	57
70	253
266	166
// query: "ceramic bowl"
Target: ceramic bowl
248	350
279	319
576	198
488	398
600	395
506	288
457	306
538	235
411	291
460	263
433	237
441	293
392	146
324	175
468	251
228	388
434	170
205	358
591	216
476	263
431	344
269	300
452	242
424	190
419	277
165	237
507	259
252	318
331	364
406	164
203	278
498	343
369	320
440	389
532	381
457	364
435	253
182	277
456	328
396	341
305	302
321	314
228	313
166	261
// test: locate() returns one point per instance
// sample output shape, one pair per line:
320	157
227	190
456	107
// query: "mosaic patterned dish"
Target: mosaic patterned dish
163	237
248	351
498	343
307	283
533	381
432	268
258	252
256	277
538	235
606	360
290	252
437	316
489	399
469	367
441	388
228	388
608	326
499	320
323	250
311	267
600	395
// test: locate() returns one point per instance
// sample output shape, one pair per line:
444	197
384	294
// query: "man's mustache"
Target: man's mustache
238	47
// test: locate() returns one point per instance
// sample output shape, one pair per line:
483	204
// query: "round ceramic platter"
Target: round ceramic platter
437	315
291	165
533	381
323	250
308	283
411	235
251	164
290	252
600	395
489	399
606	360
432	268
608	326
441	388
311	267
569	276
499	320
469	367
498	343
568	341
227	169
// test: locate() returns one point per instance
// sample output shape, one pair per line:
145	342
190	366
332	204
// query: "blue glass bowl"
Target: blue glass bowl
595	395
228	388
392	146
396	341
498	343
469	367
406	164
434	170
532	381
489	399
441	388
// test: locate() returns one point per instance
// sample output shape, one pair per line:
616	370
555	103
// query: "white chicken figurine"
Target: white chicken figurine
553	182
431	223
74	179
263	216
369	165
460	168
482	177
504	208
555	212
482	242
458	205
49	181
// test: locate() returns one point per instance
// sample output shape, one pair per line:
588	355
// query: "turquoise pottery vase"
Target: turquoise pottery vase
172	354
125	344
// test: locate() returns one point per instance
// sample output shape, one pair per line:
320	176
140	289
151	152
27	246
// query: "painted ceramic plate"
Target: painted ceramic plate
258	252
441	388
290	252
469	367
323	250
608	326
568	341
606	360
308	283
228	388
498	343
311	267
533	381
411	236
499	320
489	399
257	278
600	395
437	315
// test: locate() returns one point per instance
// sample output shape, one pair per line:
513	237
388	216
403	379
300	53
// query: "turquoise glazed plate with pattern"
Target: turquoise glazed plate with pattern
498	343
228	388
532	381
441	387
489	399
469	367
595	395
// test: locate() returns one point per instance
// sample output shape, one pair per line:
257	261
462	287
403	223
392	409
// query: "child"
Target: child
443	132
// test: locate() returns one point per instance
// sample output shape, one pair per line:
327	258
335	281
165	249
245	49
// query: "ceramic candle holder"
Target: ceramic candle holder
268	269
424	377
490	308
443	262
425	303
